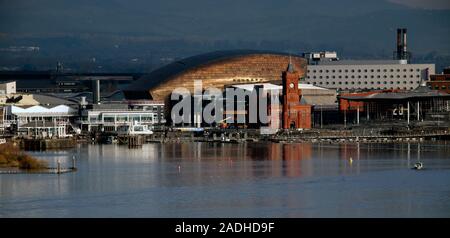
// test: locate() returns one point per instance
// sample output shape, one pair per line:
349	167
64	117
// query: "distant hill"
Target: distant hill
353	27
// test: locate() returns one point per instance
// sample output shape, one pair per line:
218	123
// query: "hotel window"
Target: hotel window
353	70
359	82
385	82
365	82
334	71
378	82
340	76
417	76
365	70
320	71
371	70
392	82
404	70
398	76
353	82
359	76
314	71
378	70
404	76
346	70
398	70
359	71
411	70
320	77
326	71
418	70
340	82
340	71
327	76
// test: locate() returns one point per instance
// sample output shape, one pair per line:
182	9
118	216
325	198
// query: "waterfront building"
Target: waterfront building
366	75
215	69
37	115
120	116
419	105
440	81
40	121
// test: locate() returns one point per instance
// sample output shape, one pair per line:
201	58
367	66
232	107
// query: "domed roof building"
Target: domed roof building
215	69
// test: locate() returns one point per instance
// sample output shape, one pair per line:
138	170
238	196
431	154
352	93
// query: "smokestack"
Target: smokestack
404	42
401	52
96	91
399	43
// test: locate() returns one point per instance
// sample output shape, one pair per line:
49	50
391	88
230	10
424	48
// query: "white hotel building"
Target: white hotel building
352	75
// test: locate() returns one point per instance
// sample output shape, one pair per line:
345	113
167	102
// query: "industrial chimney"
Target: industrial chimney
401	52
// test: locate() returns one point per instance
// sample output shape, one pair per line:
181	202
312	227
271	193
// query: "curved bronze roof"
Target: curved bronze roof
140	87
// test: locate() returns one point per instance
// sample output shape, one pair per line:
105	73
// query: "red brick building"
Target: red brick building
440	82
295	115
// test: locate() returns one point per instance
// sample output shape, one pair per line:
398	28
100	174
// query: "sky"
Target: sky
427	4
349	26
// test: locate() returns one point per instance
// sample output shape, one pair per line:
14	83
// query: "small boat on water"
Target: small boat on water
137	129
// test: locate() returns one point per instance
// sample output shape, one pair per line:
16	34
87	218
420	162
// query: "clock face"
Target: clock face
291	85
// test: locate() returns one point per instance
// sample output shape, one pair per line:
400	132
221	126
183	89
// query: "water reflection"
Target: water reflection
208	179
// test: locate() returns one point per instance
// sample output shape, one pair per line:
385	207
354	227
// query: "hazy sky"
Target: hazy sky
427	4
363	25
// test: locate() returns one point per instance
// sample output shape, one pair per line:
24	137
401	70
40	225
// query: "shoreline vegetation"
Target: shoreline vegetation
12	157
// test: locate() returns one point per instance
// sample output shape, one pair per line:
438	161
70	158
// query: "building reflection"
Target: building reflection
293	159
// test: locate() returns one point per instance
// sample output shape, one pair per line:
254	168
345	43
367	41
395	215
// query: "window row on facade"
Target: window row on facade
361	82
361	76
360	70
374	88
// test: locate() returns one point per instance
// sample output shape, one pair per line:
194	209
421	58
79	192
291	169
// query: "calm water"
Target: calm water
237	180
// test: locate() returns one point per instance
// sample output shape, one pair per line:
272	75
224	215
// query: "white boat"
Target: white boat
137	129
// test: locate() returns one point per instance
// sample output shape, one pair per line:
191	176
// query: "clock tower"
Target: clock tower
295	115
